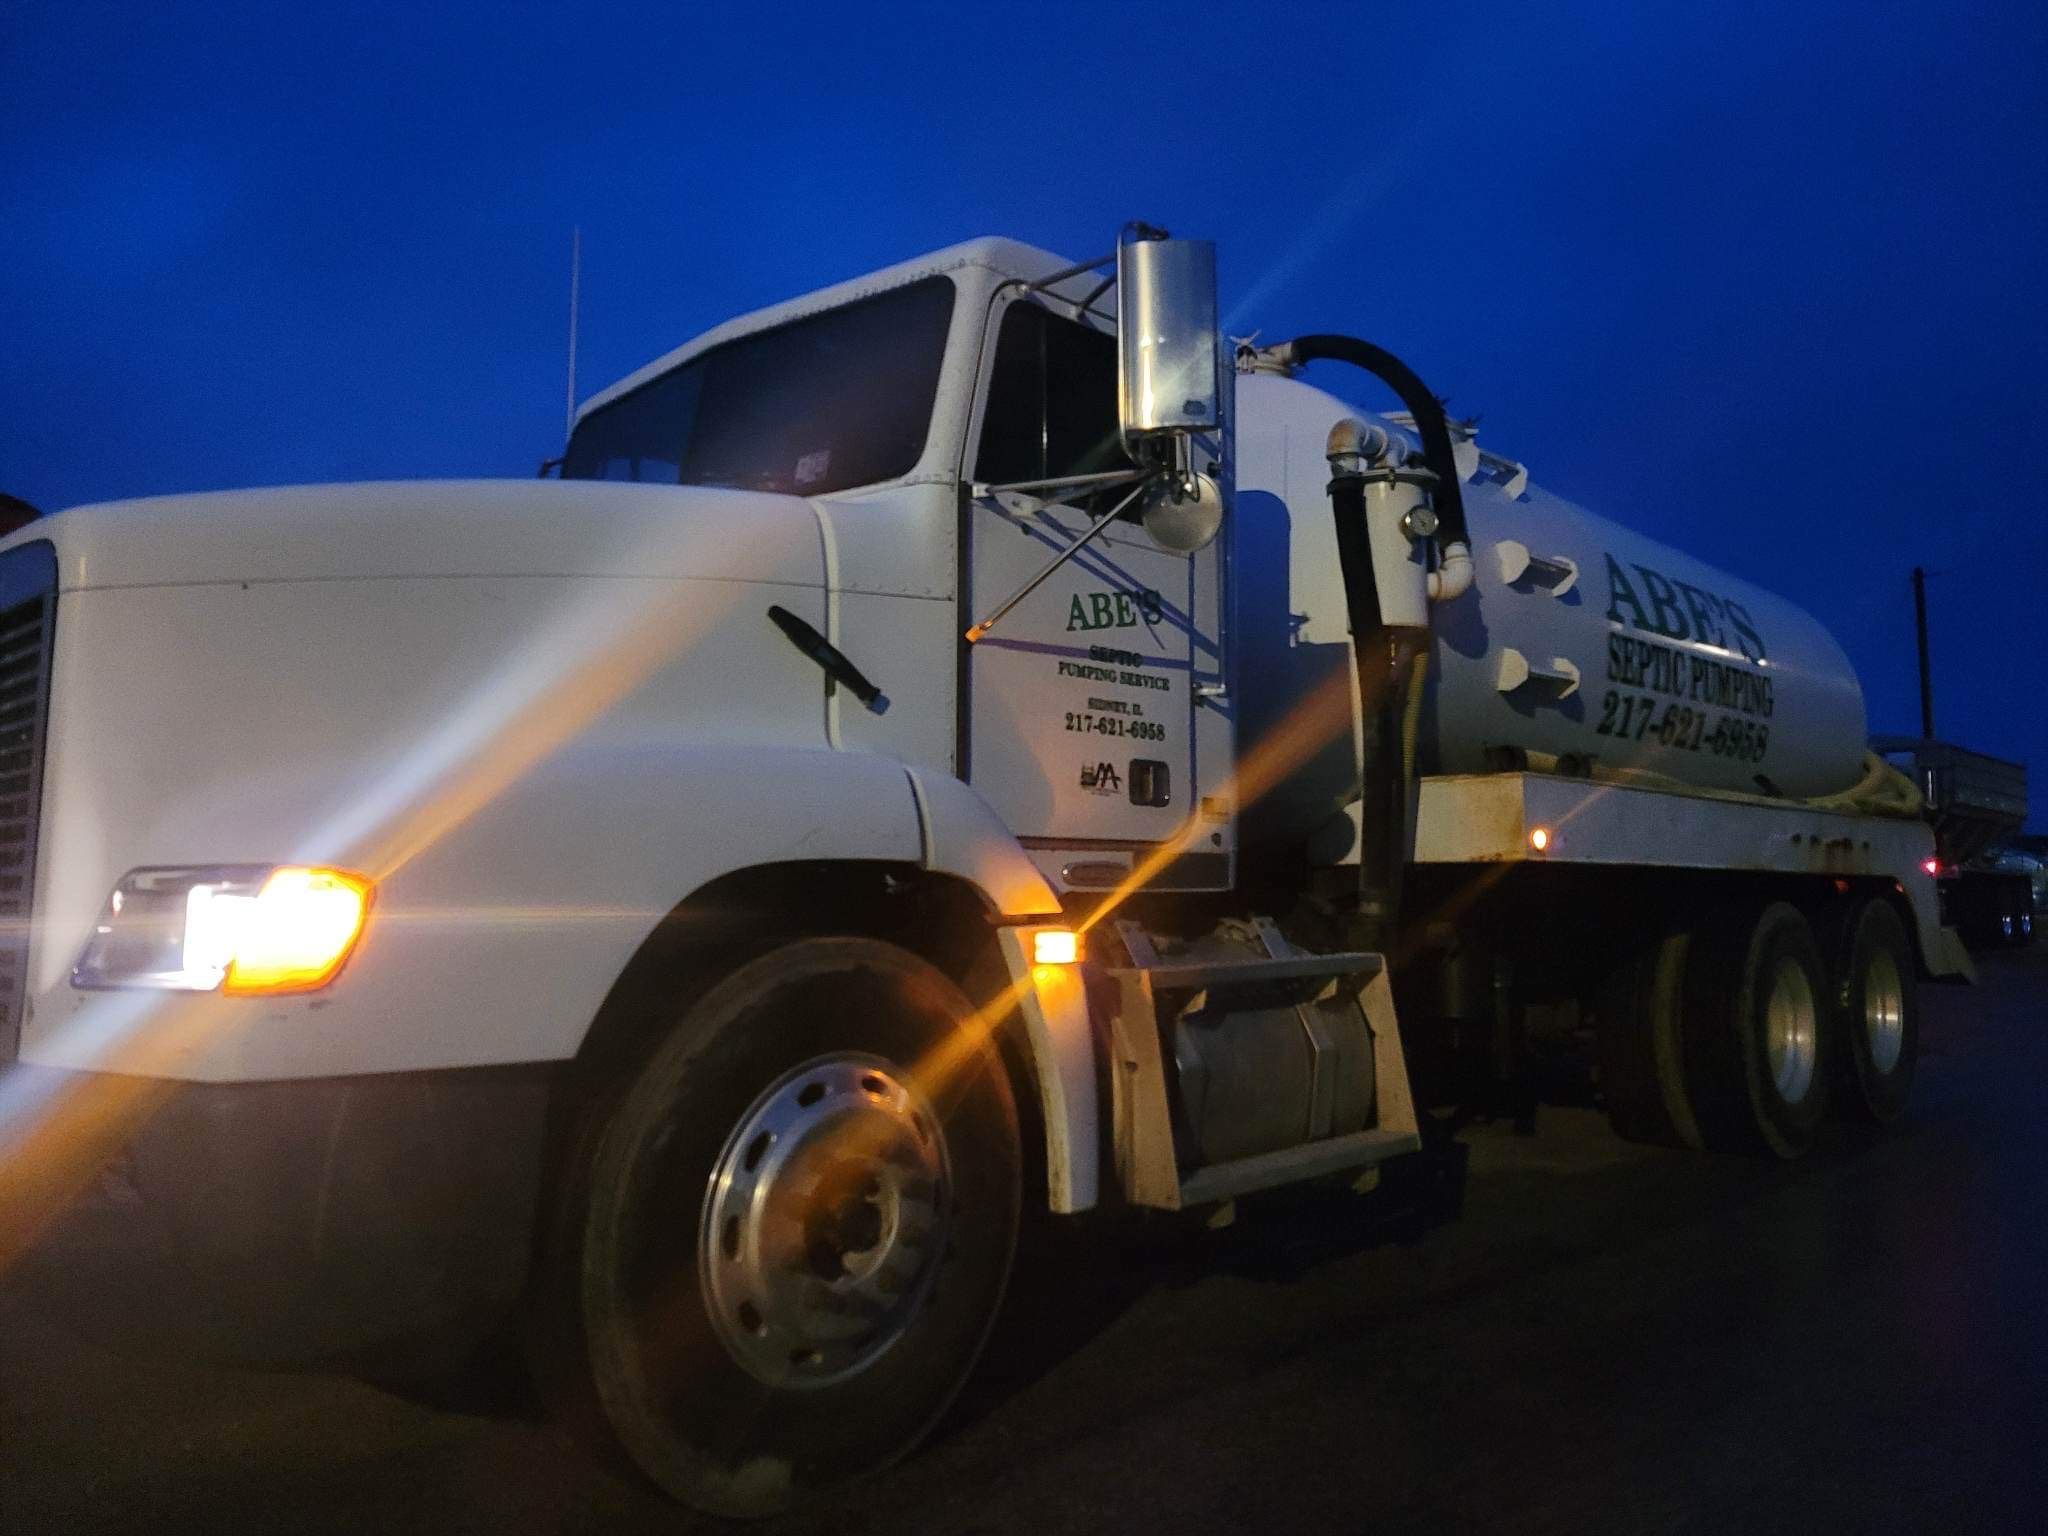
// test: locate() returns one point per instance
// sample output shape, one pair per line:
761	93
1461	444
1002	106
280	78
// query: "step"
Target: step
1169	976
1290	1165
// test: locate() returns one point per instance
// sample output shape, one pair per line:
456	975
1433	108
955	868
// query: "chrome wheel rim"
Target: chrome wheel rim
1884	1011
1791	1030
824	1221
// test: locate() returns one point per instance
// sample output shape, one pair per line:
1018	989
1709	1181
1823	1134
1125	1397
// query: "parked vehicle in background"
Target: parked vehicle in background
2019	861
1990	892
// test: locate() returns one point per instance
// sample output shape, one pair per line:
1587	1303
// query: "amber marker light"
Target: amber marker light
1055	946
1539	838
296	932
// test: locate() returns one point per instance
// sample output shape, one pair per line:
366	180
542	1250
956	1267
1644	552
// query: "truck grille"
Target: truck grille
28	618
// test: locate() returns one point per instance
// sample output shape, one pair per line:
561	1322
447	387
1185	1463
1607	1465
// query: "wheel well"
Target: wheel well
722	925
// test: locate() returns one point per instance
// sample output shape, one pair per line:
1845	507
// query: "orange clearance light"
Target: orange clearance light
1055	946
296	931
1539	838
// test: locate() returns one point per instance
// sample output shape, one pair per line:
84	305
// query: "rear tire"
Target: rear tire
1641	1017
796	1226
1759	1035
1879	1013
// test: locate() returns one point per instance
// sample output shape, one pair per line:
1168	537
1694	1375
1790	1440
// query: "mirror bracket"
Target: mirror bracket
1101	481
977	631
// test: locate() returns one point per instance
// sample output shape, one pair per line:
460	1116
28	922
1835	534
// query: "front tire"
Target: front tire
797	1226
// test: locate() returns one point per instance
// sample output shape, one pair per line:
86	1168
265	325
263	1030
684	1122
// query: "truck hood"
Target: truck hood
437	528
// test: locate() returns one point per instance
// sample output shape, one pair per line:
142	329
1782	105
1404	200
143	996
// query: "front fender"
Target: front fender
497	939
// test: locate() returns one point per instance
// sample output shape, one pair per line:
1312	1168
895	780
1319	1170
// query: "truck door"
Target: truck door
1082	705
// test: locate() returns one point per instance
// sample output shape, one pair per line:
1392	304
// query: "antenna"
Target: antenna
575	292
1920	633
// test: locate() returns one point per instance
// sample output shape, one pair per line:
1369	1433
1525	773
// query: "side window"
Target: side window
1051	403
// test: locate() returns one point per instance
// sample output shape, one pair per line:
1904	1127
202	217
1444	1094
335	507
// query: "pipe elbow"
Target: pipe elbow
1353	445
1453	578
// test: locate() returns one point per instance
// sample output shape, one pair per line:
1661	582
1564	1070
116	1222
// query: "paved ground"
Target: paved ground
1612	1339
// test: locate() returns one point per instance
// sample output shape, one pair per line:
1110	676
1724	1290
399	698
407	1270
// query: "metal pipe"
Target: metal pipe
1064	273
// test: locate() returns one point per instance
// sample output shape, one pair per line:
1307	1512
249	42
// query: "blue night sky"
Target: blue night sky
1765	281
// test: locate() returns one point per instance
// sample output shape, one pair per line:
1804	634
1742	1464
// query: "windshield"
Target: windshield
834	400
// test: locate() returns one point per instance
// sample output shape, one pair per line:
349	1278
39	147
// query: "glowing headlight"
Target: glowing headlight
237	928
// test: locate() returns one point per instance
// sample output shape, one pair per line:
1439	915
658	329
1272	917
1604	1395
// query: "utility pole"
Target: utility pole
1920	629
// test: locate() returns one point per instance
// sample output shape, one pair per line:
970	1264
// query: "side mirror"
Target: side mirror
1169	380
1169	343
1183	516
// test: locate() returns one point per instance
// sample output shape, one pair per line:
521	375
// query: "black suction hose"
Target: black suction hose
1379	654
1430	423
1386	654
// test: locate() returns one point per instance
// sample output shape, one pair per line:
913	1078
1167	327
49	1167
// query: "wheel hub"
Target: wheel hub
1791	1031
1884	1011
824	1221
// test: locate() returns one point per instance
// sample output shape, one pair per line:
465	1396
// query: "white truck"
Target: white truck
968	737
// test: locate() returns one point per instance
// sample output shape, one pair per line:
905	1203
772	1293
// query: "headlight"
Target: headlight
234	928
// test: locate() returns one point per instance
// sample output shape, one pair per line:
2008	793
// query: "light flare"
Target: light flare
1055	946
58	1130
1321	715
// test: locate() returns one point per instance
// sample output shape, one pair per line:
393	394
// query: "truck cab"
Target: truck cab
925	754
1094	715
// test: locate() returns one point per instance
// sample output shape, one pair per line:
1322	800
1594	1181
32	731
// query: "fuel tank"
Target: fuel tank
1580	642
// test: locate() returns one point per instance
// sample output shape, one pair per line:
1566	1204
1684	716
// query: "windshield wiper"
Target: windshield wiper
837	667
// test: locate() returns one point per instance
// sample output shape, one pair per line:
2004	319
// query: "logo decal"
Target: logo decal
1677	610
1102	778
1114	610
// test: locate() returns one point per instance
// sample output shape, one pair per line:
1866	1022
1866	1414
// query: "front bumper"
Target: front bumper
307	1222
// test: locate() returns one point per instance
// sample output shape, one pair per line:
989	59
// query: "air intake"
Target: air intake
28	620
